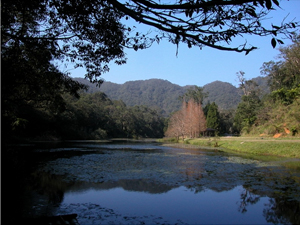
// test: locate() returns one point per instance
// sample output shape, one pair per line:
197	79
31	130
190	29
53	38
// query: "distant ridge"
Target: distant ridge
163	95
224	94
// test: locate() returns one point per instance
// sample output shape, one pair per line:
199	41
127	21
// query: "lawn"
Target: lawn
252	145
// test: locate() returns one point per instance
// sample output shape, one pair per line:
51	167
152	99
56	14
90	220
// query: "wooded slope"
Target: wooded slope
163	95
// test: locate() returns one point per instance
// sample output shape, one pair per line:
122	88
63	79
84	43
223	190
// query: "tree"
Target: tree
176	126
206	108
194	93
187	122
213	117
226	121
194	119
246	113
247	86
284	75
280	110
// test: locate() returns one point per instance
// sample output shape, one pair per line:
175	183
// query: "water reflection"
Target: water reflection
282	211
106	183
179	204
247	199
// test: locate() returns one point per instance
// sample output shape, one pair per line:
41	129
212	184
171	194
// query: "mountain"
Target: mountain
163	95
263	85
224	94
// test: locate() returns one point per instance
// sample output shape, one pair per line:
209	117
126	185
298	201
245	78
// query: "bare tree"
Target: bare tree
176	126
187	122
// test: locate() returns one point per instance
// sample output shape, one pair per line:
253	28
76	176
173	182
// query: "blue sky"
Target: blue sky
199	67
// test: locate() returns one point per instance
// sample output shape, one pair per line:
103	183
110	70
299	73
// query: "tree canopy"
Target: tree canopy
91	34
213	117
194	93
284	75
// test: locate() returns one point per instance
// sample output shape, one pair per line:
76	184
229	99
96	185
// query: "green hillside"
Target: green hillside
224	94
156	93
163	95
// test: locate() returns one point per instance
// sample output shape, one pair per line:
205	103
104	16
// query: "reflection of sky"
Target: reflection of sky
177	204
148	182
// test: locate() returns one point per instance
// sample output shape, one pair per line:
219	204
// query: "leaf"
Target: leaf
157	39
240	16
187	12
269	4
191	13
293	24
276	2
280	41
251	12
276	27
261	3
273	42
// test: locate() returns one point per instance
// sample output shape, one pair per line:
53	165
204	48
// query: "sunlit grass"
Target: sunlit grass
252	145
286	149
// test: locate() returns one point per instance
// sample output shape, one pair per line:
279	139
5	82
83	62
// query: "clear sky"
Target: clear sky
199	67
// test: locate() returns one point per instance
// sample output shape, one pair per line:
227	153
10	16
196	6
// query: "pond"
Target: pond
149	183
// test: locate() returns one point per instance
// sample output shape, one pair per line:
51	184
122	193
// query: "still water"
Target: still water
149	183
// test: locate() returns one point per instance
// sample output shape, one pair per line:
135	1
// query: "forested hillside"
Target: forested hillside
224	94
163	95
155	93
263	85
277	113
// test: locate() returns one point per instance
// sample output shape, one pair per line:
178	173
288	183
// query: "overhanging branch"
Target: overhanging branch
192	6
171	29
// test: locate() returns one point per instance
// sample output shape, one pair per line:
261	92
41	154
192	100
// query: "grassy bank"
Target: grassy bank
252	145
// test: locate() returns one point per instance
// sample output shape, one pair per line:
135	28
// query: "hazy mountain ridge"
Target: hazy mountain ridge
163	95
224	94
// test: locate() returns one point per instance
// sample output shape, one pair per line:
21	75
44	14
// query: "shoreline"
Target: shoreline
284	151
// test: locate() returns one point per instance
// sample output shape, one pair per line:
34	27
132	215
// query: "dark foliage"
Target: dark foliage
213	117
93	116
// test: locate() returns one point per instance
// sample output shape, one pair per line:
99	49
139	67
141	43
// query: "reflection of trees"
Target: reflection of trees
279	210
50	186
283	211
247	198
